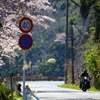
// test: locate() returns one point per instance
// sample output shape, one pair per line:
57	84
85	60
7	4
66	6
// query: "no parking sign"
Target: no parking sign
25	25
25	41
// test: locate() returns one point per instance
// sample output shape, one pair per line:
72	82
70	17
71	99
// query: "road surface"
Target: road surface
49	90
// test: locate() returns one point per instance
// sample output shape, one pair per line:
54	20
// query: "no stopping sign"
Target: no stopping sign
25	25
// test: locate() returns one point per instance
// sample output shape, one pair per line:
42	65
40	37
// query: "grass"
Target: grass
70	86
94	89
75	86
17	97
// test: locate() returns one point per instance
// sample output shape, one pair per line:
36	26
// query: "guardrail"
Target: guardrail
15	86
34	77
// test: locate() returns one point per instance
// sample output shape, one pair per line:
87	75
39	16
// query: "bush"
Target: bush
4	92
91	56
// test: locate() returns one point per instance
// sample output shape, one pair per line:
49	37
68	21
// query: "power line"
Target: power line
75	3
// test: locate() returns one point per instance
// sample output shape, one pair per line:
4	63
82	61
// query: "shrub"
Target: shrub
4	92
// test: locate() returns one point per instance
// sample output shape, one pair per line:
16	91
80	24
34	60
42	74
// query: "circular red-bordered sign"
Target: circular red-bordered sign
25	41
25	25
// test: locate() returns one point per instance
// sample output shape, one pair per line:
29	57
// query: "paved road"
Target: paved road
49	90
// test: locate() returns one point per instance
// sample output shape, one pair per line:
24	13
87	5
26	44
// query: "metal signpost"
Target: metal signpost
25	42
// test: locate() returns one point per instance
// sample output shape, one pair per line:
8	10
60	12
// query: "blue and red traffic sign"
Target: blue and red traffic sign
25	25
25	41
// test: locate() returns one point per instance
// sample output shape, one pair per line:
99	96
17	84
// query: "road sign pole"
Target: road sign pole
23	75
25	42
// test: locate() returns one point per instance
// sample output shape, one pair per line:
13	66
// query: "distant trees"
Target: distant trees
57	53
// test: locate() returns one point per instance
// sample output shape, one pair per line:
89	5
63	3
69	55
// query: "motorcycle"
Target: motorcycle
85	84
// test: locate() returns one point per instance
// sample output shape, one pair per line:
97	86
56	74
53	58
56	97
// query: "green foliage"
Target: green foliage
85	7
57	51
34	53
4	92
92	29
92	59
58	4
17	97
0	78
47	69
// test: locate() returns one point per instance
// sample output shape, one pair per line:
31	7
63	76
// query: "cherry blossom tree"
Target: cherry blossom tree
11	11
61	37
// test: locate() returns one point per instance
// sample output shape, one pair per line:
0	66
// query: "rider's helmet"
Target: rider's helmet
85	70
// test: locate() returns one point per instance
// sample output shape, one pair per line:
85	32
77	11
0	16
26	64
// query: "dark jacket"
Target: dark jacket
84	75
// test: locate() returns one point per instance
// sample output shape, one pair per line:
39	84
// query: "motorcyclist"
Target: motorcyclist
84	74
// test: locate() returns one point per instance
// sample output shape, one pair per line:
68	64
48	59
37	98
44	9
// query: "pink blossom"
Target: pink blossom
61	37
11	11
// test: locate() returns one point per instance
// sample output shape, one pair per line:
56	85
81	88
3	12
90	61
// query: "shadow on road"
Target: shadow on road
56	91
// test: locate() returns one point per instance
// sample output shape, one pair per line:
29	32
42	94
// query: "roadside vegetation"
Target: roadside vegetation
5	93
76	86
17	97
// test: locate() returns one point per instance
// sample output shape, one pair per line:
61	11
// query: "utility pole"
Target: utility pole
72	49
66	68
72	43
